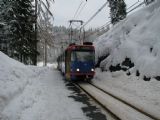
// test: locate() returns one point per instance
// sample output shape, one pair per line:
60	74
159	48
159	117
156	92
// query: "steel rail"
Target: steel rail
127	103
99	103
138	110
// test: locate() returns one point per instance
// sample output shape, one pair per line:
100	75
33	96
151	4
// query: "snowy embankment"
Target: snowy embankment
136	38
129	53
34	93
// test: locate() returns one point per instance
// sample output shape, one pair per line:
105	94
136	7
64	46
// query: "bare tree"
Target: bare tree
44	26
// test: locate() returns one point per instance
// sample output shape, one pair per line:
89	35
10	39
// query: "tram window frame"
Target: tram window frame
74	57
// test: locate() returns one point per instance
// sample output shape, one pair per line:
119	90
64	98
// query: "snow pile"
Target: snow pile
12	79
5	60
137	39
34	93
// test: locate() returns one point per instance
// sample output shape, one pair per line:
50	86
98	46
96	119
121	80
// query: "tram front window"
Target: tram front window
82	56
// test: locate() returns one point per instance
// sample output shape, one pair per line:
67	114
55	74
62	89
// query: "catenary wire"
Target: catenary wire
77	9
80	10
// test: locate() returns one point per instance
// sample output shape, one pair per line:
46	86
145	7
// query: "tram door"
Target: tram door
67	64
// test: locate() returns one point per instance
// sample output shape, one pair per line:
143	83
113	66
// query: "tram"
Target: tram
78	62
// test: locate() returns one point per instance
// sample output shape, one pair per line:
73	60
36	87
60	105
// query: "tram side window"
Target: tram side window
72	56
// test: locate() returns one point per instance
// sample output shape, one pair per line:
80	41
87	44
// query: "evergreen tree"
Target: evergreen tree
25	41
19	19
117	10
7	16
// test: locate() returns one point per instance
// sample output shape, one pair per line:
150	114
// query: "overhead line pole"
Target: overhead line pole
36	16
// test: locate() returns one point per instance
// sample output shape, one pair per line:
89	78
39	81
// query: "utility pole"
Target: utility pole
84	36
36	16
45	52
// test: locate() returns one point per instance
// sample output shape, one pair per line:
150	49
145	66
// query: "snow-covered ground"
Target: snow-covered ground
38	93
136	38
144	95
34	93
41	64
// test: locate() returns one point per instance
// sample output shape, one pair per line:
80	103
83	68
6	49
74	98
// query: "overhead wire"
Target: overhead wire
94	15
89	20
130	7
77	9
80	10
108	23
140	4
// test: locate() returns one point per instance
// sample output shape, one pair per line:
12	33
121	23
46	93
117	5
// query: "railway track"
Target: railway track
119	108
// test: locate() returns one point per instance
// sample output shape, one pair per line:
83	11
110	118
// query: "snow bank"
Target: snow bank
137	38
13	78
5	60
34	93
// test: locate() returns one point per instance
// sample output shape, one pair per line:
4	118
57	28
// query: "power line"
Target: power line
77	9
109	22
81	10
105	26
99	10
133	5
136	7
99	29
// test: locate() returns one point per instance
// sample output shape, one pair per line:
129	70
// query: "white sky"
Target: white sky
64	11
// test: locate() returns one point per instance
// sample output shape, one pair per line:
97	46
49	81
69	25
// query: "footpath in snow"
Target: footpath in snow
34	93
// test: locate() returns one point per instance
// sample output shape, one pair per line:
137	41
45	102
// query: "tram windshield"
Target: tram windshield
82	56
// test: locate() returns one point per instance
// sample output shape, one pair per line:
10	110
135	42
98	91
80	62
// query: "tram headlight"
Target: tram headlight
92	70
77	70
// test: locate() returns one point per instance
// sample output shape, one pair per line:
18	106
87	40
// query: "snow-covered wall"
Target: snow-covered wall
138	38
